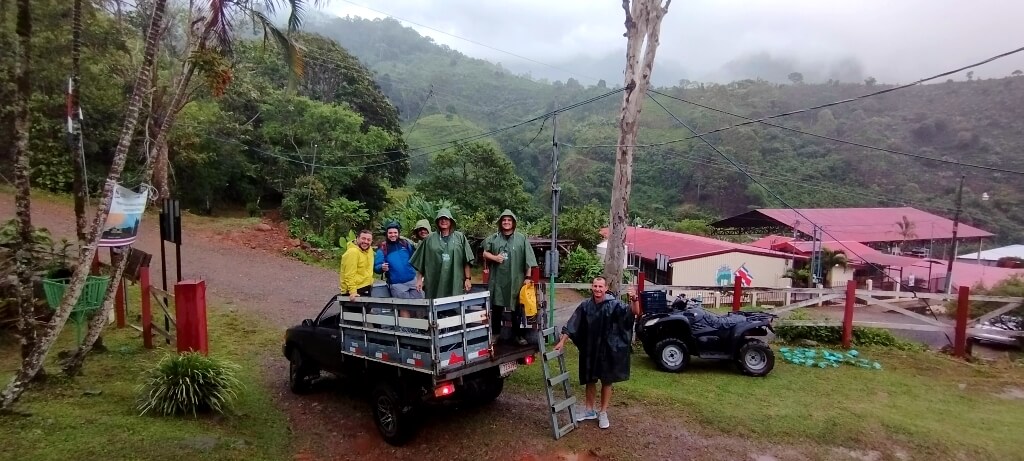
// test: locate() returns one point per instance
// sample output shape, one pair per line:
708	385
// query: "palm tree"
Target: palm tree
210	38
906	229
830	259
22	170
34	362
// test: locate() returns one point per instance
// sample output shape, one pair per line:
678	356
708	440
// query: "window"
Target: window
331	316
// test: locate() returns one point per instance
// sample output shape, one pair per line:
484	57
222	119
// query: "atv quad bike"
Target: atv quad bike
672	335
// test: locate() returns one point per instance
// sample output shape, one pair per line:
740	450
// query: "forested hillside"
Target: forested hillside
974	121
363	134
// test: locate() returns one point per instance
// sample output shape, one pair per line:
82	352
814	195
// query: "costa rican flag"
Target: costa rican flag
746	278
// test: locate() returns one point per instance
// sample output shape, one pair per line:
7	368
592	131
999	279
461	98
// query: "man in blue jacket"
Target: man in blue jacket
392	260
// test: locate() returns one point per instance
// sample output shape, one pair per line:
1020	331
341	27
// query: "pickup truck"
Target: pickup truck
412	352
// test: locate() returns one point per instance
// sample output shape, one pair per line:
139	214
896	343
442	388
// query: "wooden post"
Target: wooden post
147	308
119	307
851	298
753	299
190	316
737	293
963	309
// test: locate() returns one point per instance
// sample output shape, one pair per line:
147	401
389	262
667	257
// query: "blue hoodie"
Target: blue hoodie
400	270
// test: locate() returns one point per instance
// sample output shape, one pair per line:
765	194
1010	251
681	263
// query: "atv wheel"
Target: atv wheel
756	358
671	355
394	417
300	375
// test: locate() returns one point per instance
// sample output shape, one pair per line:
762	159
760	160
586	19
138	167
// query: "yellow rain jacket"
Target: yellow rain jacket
356	269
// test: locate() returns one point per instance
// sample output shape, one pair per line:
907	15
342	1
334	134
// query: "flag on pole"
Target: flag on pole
746	278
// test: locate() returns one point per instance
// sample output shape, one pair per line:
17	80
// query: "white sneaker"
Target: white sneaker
583	415
602	420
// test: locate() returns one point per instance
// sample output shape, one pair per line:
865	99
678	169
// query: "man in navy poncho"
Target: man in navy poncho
602	329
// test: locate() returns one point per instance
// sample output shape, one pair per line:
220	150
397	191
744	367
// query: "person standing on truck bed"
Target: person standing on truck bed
601	328
356	274
392	259
420	232
510	258
442	261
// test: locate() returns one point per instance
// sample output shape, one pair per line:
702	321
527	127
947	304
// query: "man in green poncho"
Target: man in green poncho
510	259
443	259
420	232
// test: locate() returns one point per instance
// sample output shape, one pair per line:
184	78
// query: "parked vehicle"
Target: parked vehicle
672	334
440	354
1002	329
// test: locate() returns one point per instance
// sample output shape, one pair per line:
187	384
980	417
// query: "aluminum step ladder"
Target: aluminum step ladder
559	403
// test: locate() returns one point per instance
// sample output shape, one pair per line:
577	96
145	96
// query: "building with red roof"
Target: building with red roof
692	260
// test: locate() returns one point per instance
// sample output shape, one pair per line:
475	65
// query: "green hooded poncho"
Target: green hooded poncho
441	260
506	279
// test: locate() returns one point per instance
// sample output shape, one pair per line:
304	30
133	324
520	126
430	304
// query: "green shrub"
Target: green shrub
862	336
581	266
188	383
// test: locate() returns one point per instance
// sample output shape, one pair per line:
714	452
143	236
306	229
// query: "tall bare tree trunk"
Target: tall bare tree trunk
77	144
22	169
159	166
35	360
73	365
643	23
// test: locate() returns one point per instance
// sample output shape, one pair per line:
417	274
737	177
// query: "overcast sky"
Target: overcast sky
722	40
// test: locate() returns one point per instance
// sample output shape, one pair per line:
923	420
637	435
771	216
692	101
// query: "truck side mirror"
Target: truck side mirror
307	322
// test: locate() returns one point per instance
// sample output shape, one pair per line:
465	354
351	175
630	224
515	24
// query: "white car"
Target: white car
1004	329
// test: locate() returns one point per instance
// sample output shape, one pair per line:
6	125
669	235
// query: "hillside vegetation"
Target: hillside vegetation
378	103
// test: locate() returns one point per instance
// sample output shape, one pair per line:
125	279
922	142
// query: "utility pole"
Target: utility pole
956	222
551	263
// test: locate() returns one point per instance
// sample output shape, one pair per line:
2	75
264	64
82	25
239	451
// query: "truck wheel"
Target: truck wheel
756	358
489	389
394	418
300	375
671	355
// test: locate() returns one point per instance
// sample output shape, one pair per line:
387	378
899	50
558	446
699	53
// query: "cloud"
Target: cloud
727	39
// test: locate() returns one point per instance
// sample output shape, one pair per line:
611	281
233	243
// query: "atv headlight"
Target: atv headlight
651	322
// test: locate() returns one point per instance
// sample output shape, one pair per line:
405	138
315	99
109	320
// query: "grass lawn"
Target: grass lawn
920	401
67	422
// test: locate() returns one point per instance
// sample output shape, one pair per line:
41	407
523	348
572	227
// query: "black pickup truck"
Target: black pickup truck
412	352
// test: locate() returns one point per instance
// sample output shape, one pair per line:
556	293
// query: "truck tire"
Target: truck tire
394	417
300	374
755	358
671	355
488	390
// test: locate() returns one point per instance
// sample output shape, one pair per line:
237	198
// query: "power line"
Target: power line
820	106
773	194
843	141
472	41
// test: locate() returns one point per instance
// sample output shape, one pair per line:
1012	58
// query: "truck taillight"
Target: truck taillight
444	389
528	360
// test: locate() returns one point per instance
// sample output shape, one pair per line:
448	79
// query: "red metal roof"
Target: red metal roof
856	252
866	224
680	247
964	274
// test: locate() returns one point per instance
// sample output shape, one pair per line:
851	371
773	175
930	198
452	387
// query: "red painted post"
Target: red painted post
94	269
190	316
963	308
487	273
119	308
737	294
851	298
535	275
147	309
640	281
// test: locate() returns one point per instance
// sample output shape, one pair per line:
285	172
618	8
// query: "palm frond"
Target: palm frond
290	50
219	24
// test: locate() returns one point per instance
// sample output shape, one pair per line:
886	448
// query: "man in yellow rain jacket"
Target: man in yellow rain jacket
356	273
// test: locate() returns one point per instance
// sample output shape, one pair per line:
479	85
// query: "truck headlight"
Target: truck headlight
651	322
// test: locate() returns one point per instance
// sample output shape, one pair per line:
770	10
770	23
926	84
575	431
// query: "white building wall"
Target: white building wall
767	271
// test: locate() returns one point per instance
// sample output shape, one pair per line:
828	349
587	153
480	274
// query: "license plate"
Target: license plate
507	368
